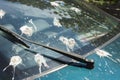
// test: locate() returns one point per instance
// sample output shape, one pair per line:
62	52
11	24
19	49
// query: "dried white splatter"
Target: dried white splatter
55	4
26	30
103	53
56	22
64	40
2	13
34	26
75	9
70	43
14	61
40	60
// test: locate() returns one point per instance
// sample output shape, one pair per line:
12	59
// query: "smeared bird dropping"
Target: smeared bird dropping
40	60
56	22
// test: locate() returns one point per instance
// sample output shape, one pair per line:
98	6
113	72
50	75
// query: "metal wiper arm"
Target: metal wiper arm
71	63
19	39
89	63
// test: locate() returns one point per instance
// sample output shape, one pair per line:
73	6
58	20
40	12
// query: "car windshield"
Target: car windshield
71	26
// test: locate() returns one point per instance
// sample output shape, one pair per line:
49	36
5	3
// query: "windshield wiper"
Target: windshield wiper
14	37
71	63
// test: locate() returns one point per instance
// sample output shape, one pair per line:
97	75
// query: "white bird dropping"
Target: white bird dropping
14	61
26	30
2	13
40	60
55	4
75	9
56	22
72	43
102	53
64	40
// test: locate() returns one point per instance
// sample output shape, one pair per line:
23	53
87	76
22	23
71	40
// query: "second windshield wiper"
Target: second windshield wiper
14	37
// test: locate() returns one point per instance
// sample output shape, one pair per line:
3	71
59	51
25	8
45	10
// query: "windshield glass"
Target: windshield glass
71	26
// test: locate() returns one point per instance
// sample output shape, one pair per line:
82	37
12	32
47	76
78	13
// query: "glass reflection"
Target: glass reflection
72	26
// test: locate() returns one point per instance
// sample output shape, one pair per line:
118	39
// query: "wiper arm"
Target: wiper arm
12	36
19	39
71	63
89	63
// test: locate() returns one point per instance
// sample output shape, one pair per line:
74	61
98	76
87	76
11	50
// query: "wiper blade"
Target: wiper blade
14	37
11	36
90	63
71	63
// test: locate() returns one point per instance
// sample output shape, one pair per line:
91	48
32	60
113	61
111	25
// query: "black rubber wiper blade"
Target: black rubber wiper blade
89	63
12	36
71	63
